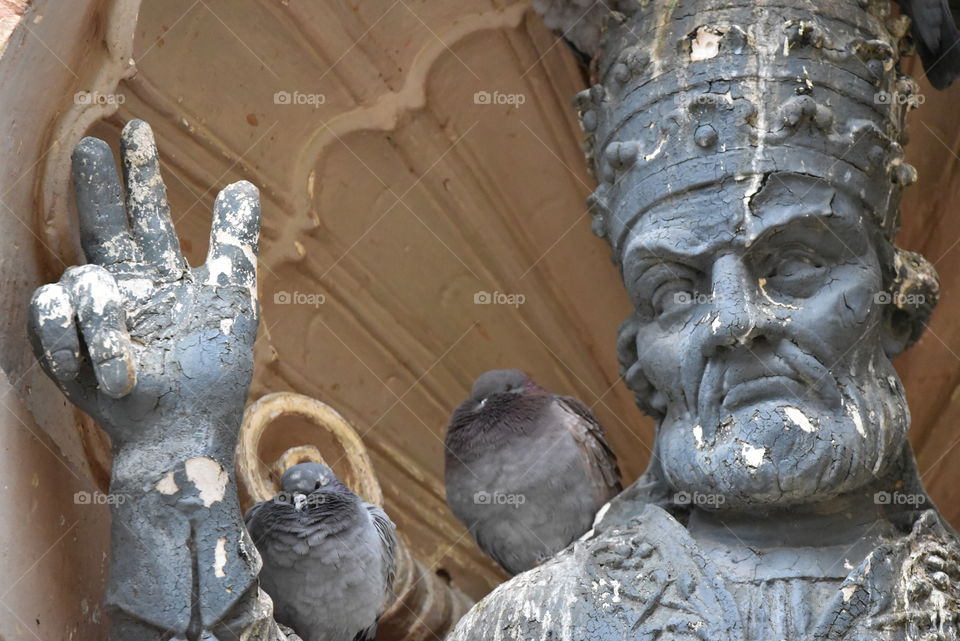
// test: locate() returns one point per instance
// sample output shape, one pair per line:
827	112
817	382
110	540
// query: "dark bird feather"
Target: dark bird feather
937	38
526	470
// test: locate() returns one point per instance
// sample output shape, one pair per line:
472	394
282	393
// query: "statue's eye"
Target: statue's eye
794	273
674	295
664	287
797	262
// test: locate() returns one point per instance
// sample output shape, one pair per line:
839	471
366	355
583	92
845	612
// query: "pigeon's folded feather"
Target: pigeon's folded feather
937	38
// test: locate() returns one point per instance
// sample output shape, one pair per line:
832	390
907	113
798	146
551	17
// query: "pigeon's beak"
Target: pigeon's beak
482	402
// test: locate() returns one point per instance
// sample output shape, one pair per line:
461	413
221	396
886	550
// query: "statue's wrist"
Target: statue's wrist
171	446
152	489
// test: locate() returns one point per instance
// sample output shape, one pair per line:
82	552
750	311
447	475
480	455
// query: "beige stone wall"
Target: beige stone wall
53	546
53	550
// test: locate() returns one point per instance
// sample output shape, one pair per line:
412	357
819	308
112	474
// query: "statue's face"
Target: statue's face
762	327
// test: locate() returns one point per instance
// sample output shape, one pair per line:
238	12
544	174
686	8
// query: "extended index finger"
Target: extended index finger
104	232
147	200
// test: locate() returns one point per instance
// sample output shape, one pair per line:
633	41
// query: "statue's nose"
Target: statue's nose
736	310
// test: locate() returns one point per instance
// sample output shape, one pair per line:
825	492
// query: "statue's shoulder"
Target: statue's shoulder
646	577
643	576
531	605
905	589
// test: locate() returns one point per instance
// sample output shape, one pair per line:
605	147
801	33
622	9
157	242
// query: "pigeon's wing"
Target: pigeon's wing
388	538
367	635
945	70
928	16
269	522
589	434
252	513
491	547
257	519
935	31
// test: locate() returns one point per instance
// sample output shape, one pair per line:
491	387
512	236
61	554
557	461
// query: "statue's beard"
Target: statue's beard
788	448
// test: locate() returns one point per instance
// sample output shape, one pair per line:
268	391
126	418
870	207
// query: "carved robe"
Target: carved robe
649	579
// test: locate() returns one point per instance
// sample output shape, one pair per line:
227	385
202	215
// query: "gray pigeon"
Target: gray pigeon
937	38
526	470
328	557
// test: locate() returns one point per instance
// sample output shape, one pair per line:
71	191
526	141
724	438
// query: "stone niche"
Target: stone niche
424	220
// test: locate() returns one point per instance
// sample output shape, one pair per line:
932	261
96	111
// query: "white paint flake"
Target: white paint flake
848	591
698	436
220	557
797	416
855	417
167	485
97	285
209	477
753	456
705	45
53	306
219	266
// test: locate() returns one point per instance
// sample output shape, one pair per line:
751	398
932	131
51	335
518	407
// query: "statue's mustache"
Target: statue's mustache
738	375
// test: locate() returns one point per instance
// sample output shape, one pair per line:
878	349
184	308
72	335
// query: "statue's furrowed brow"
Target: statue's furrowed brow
831	234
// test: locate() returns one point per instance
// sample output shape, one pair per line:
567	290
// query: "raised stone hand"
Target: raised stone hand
161	355
136	334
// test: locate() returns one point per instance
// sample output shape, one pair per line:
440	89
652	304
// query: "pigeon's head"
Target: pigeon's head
500	399
307	478
501	381
314	491
313	487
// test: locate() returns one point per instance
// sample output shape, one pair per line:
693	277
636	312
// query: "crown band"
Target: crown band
695	92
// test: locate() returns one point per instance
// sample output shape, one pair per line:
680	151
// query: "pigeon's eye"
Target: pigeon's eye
317	485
